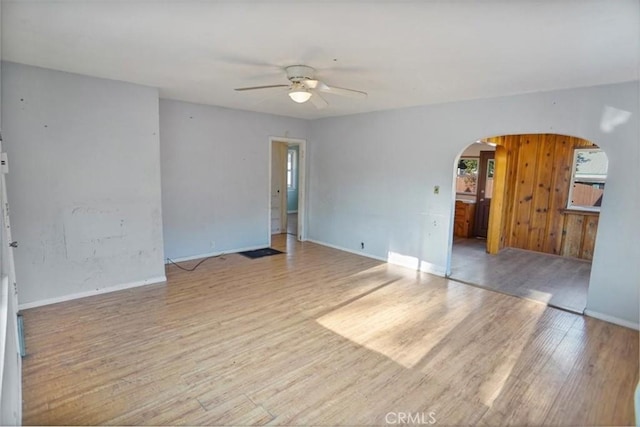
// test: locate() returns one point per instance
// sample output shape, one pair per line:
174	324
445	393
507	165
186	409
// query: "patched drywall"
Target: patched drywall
84	186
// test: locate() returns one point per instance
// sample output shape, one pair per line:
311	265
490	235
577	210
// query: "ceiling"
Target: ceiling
402	53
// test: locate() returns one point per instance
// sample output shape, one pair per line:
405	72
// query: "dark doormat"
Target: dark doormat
259	253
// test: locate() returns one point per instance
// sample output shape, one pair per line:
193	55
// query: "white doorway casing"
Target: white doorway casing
277	201
10	359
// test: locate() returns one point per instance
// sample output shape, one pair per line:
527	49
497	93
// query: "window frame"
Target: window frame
477	159
570	206
293	171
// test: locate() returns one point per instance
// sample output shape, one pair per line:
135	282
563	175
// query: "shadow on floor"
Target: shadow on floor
557	281
292	223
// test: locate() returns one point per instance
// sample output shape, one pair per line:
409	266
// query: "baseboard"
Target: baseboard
351	251
412	263
612	319
85	294
212	254
436	270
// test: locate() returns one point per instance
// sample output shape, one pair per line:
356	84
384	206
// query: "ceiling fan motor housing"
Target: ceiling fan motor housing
299	73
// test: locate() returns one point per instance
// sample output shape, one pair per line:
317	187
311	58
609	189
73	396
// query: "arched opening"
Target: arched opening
528	226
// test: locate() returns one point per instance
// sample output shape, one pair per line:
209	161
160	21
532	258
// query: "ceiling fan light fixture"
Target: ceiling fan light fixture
303	87
299	95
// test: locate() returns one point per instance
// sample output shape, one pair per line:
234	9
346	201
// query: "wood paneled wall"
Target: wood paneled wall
579	236
530	211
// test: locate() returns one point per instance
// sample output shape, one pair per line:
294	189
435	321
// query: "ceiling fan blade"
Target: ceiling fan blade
318	101
352	93
311	84
240	89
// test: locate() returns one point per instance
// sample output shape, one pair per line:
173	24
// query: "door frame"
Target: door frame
483	161
302	187
454	197
9	278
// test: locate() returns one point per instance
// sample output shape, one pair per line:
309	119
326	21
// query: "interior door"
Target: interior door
486	171
278	187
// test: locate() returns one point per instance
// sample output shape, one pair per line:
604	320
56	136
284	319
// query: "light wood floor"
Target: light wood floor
554	280
319	336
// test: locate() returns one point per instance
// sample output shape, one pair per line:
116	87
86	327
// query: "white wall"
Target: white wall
84	185
372	178
215	177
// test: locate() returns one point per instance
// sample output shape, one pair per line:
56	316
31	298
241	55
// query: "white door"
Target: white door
278	187
11	383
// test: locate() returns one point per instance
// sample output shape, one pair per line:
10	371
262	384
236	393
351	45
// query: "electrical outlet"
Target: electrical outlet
436	189
212	244
361	245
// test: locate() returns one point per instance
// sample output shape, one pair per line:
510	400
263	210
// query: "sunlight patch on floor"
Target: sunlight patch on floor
405	329
538	295
419	326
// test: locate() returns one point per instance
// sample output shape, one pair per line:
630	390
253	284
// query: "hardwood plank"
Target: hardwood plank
528	396
605	372
318	336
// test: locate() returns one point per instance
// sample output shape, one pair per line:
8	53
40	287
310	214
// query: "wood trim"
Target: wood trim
580	212
495	241
55	300
481	199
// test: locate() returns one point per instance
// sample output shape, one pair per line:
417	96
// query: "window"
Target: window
588	177
488	183
291	169
467	178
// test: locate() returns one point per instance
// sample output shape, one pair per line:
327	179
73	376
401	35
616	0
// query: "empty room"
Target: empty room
319	213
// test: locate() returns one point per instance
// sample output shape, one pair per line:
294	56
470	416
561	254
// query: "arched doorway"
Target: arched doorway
546	194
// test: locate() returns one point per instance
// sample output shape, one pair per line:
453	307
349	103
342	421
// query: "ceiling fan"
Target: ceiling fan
304	87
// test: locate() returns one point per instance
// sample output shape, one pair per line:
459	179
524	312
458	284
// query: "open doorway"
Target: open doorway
543	194
293	186
474	189
287	183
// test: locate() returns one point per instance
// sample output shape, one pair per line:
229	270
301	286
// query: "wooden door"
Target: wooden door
486	171
278	187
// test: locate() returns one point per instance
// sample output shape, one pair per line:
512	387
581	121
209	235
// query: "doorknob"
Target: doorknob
13	244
